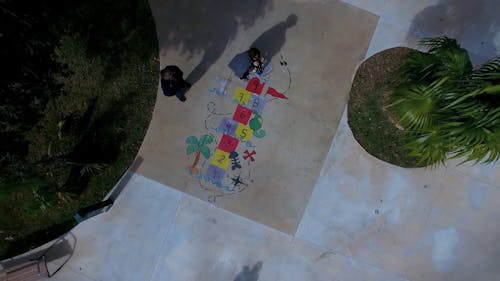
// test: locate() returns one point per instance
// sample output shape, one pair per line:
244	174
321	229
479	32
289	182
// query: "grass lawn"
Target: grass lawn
370	122
89	133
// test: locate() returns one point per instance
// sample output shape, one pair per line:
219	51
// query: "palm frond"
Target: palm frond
454	63
490	71
438	44
418	66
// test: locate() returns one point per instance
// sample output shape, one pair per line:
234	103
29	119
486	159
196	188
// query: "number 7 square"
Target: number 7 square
241	96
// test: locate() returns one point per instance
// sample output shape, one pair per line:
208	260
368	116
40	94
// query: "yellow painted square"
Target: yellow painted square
243	132
221	159
242	96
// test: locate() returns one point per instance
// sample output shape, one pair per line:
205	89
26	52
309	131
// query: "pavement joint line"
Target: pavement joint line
329	155
210	205
168	231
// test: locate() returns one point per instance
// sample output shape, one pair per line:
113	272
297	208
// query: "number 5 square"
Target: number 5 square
243	132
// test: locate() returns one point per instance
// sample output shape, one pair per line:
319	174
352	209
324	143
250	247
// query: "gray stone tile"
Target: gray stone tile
122	243
208	243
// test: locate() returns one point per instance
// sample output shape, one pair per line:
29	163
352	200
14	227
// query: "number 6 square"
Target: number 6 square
242	114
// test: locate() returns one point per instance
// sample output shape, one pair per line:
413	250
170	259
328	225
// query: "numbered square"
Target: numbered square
228	143
242	96
214	174
242	114
227	126
221	159
256	103
255	86
243	132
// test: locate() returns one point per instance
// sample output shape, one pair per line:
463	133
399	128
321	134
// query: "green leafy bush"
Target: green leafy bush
447	107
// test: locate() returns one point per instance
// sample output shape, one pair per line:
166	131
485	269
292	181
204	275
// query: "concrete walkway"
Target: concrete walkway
324	210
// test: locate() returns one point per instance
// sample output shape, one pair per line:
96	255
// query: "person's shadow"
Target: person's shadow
271	41
249	275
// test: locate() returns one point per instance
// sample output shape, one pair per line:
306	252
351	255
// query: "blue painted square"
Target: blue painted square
214	174
227	126
256	103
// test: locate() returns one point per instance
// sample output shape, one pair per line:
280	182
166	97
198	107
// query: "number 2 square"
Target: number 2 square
221	159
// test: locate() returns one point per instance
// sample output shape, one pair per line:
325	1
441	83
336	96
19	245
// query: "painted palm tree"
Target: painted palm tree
448	108
198	147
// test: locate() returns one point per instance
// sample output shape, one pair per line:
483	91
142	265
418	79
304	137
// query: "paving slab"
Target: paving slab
473	23
311	65
422	224
122	243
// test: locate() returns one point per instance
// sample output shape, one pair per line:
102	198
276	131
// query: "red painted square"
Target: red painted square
228	143
255	86
242	114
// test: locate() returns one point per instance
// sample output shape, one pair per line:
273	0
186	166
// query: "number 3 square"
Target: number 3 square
228	143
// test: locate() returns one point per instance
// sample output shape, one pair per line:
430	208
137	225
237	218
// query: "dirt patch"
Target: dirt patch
371	124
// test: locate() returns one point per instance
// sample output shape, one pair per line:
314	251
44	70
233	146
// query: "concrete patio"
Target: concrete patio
315	206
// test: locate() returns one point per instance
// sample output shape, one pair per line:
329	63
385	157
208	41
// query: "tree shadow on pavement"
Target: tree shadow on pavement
195	26
475	25
272	40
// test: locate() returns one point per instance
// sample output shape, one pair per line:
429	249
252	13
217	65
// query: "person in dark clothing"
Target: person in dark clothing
172	82
246	63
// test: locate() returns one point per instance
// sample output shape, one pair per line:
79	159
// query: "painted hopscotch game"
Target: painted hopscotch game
225	153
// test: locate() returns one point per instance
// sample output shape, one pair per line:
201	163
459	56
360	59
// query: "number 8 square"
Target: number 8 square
257	103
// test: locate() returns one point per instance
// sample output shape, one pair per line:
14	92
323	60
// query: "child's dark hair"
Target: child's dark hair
163	71
253	52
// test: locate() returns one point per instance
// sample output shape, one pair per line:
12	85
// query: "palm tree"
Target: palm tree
448	108
198	147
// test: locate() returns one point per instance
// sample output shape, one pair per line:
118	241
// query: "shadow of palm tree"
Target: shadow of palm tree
203	26
475	25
